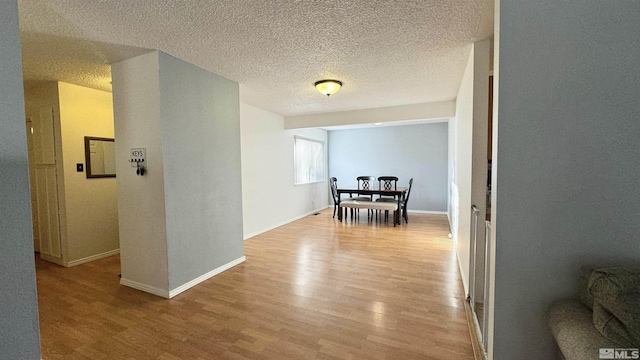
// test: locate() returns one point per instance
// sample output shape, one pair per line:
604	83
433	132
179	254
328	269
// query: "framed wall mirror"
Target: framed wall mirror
100	157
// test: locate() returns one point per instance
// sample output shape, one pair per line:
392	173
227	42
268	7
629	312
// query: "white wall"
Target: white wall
568	150
141	204
409	151
470	130
479	161
461	182
451	153
19	333
91	204
269	198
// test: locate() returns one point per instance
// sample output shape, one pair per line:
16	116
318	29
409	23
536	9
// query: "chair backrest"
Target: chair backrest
365	182
388	182
333	184
406	199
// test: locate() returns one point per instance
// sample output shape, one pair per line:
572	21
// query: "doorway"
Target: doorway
41	145
481	242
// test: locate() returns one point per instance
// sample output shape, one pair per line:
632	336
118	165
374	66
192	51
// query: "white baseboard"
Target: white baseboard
171	293
53	259
255	233
428	212
206	276
92	258
145	288
463	276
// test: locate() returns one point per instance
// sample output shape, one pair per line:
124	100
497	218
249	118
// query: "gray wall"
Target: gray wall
19	334
202	177
409	151
568	166
183	219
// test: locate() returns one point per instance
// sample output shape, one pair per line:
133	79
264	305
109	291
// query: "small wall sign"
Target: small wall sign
138	155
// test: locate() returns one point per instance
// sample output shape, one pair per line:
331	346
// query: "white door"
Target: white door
46	185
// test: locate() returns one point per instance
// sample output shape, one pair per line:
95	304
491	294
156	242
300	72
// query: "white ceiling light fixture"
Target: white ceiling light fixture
328	87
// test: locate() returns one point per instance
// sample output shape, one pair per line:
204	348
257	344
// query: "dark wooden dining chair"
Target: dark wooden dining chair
387	183
403	204
333	184
365	183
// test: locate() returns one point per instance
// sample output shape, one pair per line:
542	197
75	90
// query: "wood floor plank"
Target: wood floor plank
312	289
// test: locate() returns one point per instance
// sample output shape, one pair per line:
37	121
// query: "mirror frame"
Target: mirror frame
87	157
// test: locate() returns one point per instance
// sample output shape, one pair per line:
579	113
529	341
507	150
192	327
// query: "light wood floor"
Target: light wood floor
313	289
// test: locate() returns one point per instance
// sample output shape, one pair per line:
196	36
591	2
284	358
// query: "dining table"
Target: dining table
398	193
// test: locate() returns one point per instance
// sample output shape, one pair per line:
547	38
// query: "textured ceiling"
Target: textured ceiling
387	52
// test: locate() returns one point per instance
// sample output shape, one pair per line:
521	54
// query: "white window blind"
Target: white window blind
309	160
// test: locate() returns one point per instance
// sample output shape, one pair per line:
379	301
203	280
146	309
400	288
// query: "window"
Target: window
308	160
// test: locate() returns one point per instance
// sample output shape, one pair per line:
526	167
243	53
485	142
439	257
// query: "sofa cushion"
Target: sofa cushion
609	326
584	295
572	327
611	281
616	293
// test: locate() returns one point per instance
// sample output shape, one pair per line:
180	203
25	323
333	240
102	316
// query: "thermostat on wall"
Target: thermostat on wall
138	155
